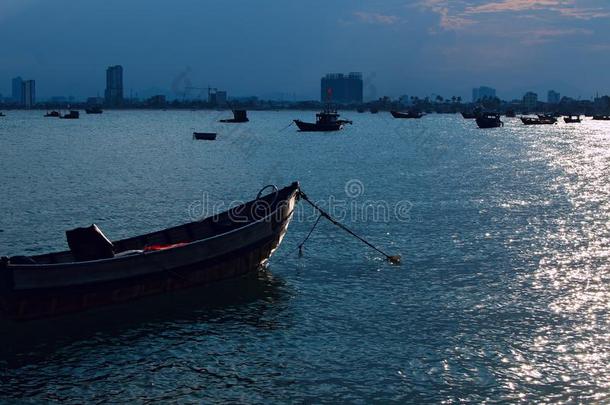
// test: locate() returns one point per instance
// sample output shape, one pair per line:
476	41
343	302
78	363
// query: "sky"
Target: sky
281	48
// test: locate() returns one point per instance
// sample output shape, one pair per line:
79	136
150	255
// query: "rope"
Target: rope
285	128
391	259
308	235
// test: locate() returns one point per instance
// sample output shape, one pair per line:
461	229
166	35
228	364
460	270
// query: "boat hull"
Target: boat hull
204	136
311	127
408	115
486	123
33	292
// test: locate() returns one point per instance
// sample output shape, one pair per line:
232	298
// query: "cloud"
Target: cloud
375	18
516	6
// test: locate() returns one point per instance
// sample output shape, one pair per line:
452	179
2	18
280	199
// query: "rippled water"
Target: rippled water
503	294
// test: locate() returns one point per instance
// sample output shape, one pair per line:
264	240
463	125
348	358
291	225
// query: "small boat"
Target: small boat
96	272
510	114
540	120
94	110
2	114
601	117
572	119
53	114
239	116
489	120
204	136
72	115
469	115
360	110
326	121
408	114
374	110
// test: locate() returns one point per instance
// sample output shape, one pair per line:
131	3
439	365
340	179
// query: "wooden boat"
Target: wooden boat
572	119
408	114
204	136
326	121
52	114
97	272
239	116
94	110
72	115
540	120
601	117
489	120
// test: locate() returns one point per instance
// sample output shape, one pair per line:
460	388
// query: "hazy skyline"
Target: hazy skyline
270	46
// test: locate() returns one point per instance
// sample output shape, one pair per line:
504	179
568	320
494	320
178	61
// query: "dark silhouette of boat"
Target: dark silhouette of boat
489	120
407	115
601	117
540	120
96	272
53	114
204	136
2	114
510	114
572	119
94	110
72	115
360	109
374	110
469	115
239	116
326	121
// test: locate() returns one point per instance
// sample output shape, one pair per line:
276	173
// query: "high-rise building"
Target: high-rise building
17	95
114	86
340	88
28	91
483	92
553	97
530	101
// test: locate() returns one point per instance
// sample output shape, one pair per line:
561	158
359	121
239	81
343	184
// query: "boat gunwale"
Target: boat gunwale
279	204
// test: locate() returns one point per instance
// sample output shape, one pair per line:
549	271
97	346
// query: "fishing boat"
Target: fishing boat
601	117
204	136
96	272
52	114
326	121
489	120
72	115
407	115
239	116
540	120
572	119
94	110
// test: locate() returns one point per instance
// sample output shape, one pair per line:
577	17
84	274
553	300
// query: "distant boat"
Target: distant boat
540	120
489	120
53	114
408	114
469	115
374	110
572	119
326	121
204	136
94	110
239	116
601	117
510	114
72	115
2	114
360	109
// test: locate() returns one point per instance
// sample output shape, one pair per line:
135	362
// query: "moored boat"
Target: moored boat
407	115
96	272
204	136
540	120
469	115
2	114
52	114
374	110
239	116
72	115
572	119
326	121
489	120
94	110
601	117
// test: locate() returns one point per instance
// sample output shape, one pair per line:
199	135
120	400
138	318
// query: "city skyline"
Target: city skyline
402	47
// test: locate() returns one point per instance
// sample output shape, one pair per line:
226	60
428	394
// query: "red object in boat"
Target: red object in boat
156	248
